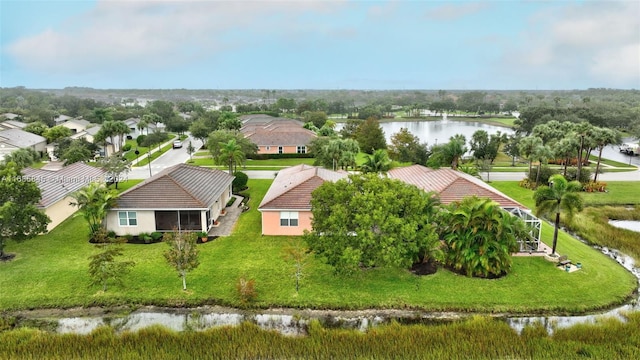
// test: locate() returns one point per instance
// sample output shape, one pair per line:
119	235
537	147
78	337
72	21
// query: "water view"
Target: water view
632	225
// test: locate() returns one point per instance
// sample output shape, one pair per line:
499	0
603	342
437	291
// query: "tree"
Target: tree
603	137
229	121
102	115
57	132
511	148
542	154
219	137
22	157
93	202
104	266
76	152
480	237
406	147
350	128
108	130
20	219
560	195
297	254
116	167
369	221
454	150
379	162
200	130
182	254
190	150
162	108
121	130
36	127
527	147
230	153
370	136
334	153
141	125
318	118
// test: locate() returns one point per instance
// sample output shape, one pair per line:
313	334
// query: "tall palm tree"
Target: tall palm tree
94	200
541	153
378	162
121	130
603	137
230	153
560	195
455	149
141	125
527	145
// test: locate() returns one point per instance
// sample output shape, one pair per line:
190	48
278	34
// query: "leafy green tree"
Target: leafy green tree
565	149
22	157
370	136
164	109
102	115
36	127
334	153
116	167
406	147
93	202
182	254
369	221
230	153
318	118
141	125
350	128
20	218
480	237
155	138
527	147
219	137
200	130
76	152
104	267
229	121
378	162
121	130
453	150
560	195
542	154
57	132
511	147
603	137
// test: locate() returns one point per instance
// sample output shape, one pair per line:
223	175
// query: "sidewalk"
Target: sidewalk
152	151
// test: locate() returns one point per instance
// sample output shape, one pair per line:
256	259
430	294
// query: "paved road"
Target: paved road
170	158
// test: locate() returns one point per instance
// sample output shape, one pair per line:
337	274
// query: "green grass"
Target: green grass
154	155
269	164
613	163
51	271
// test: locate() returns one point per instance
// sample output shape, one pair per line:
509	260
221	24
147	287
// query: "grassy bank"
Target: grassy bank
478	338
51	272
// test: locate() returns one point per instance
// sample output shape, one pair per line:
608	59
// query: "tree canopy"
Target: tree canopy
370	136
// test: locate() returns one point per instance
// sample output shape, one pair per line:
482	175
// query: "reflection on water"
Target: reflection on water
632	225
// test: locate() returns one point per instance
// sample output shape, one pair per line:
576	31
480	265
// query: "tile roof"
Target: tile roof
13	124
450	185
20	138
55	185
292	187
265	130
178	187
78	121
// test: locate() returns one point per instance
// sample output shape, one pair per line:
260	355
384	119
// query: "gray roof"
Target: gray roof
13	124
20	138
9	116
79	121
55	185
178	187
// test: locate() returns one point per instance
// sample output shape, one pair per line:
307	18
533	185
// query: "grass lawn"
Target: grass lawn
51	271
269	164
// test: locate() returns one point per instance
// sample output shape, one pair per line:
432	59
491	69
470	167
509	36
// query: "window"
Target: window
288	218
268	148
302	149
279	149
128	218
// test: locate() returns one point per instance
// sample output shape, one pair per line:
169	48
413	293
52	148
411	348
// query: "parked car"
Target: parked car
177	144
630	149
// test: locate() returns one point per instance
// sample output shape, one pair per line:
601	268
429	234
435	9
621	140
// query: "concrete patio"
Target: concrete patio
229	219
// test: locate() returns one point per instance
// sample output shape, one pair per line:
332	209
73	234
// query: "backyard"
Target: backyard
533	286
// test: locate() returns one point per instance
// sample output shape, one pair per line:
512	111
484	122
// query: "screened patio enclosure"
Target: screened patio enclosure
533	224
181	220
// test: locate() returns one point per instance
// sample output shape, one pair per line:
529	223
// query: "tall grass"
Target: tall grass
476	338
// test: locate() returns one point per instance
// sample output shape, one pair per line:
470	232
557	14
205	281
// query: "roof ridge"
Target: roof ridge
291	189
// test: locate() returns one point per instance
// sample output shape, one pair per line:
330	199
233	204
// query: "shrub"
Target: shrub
156	236
231	201
545	173
140	139
146	237
585	175
126	147
246	289
240	182
526	183
597	186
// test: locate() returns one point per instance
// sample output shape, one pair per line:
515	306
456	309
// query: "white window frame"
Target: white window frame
280	150
289	218
302	149
129	217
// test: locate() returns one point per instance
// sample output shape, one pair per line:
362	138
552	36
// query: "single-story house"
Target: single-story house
10	116
76	125
14	139
60	119
286	208
12	124
182	197
89	134
132	123
57	185
276	135
452	185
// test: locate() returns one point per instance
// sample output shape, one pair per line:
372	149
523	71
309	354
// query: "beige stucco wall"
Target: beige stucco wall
146	223
59	212
271	223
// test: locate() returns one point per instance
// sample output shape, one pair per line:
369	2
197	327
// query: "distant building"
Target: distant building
14	139
276	135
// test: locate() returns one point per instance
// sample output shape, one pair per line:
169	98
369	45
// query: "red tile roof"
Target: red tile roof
265	130
293	186
451	185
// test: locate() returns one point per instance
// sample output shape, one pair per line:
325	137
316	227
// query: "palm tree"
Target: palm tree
527	145
603	137
378	162
480	237
561	195
121	129
230	153
541	153
455	149
94	201
141	125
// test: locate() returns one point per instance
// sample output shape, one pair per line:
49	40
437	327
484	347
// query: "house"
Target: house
10	116
452	185
60	119
12	124
56	187
286	208
132	123
14	139
181	197
276	135
106	149
76	125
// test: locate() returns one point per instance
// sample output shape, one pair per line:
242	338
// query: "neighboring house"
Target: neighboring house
57	185
10	116
14	139
60	119
182	197
132	123
76	125
286	208
276	135
451	185
12	124
89	134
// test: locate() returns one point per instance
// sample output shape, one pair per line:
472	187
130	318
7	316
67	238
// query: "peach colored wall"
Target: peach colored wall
274	149
59	212
271	223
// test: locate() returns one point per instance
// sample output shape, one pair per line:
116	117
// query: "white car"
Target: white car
177	144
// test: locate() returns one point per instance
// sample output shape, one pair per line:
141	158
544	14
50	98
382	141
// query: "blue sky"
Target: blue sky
305	44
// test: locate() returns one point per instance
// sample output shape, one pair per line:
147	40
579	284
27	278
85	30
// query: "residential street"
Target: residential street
170	158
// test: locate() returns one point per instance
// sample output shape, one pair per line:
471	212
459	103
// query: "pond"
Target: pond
633	225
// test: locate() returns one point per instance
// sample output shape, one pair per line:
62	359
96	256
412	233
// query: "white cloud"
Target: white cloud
155	34
595	42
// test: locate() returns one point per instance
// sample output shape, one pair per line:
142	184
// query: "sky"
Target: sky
307	44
